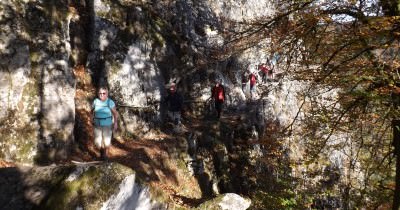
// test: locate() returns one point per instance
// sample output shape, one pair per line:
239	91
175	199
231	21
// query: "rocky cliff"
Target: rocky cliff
135	48
55	53
37	84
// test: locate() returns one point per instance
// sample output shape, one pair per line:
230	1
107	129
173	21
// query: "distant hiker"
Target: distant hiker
174	101
270	69
105	117
253	81
218	94
276	57
244	81
265	71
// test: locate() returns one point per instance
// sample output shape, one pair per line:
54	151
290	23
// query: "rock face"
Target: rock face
139	49
90	186
135	49
37	85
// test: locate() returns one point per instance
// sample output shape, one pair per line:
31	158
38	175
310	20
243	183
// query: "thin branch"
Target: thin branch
253	31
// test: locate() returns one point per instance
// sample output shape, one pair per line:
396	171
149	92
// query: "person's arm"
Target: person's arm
223	90
92	110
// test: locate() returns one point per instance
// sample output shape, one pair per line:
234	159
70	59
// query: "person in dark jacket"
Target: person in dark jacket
218	94
244	81
174	101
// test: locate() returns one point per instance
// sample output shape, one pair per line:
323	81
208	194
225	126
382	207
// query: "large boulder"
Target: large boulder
226	201
103	186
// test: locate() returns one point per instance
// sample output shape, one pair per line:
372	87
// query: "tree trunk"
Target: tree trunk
396	143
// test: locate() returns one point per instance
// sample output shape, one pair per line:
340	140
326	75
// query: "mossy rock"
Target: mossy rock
87	187
18	139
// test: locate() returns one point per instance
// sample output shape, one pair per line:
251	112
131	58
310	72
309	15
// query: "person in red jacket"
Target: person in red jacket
264	71
253	81
218	94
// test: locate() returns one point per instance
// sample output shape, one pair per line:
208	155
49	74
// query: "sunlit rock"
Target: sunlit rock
227	202
37	88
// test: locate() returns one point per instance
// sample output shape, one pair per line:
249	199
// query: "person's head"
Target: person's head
217	82
172	88
102	93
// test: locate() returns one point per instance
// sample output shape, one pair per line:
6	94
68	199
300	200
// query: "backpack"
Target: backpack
253	79
265	69
221	95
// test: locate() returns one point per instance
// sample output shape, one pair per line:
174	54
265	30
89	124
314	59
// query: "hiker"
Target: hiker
105	117
244	81
265	71
270	67
174	102
218	94
253	81
275	60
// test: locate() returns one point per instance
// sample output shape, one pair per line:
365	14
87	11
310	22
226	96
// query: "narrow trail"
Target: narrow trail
153	159
156	159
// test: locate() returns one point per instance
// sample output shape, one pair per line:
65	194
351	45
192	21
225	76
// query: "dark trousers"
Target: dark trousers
218	107
264	76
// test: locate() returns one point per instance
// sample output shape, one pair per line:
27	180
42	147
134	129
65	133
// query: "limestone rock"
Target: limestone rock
85	186
37	88
226	201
